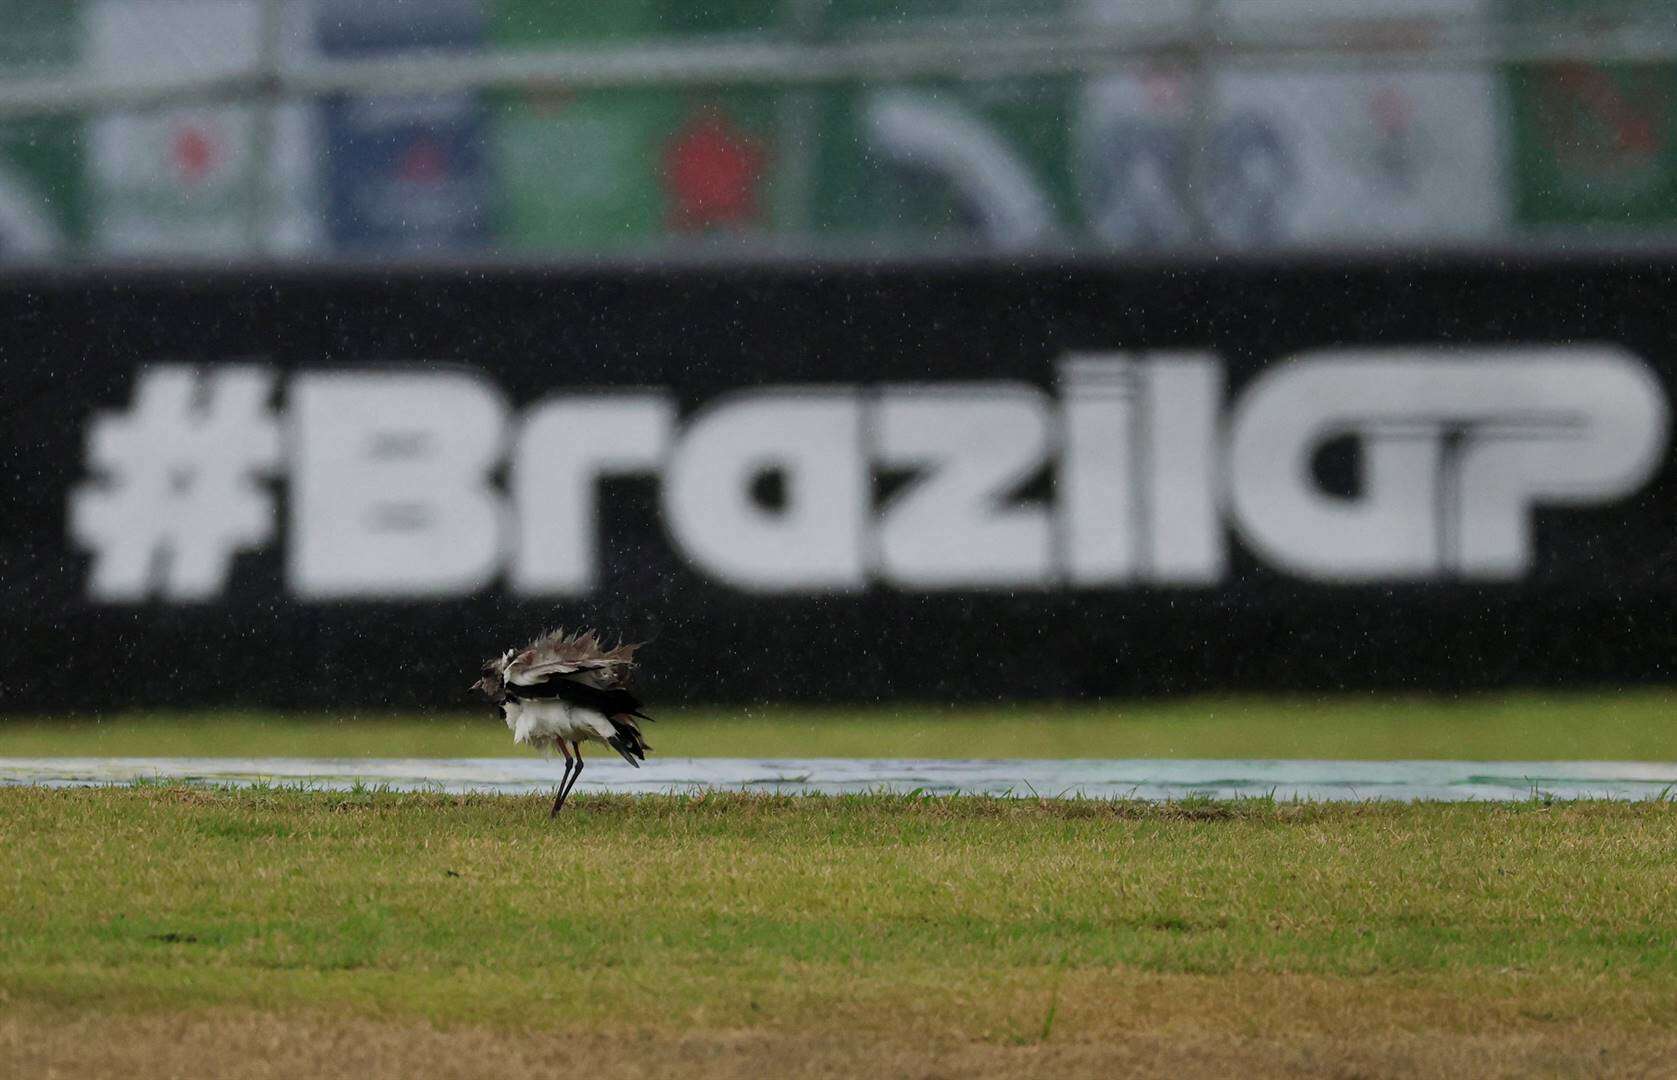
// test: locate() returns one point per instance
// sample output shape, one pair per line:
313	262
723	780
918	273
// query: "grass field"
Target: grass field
159	931
1634	726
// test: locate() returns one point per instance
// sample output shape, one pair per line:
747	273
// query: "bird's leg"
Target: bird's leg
577	746
571	777
559	798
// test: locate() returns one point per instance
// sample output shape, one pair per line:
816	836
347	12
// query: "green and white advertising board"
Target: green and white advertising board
40	158
198	179
1594	144
614	169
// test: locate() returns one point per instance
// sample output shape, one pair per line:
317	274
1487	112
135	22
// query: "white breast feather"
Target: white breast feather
537	724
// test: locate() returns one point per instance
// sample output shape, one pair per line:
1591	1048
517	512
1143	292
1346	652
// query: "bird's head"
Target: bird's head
493	683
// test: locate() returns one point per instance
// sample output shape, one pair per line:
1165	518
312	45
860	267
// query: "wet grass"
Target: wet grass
724	934
989	919
1631	726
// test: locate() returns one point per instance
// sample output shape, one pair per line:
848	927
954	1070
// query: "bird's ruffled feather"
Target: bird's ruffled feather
578	656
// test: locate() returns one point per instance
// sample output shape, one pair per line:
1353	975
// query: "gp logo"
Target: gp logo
1152	475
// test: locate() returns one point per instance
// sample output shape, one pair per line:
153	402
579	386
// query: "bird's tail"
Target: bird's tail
626	739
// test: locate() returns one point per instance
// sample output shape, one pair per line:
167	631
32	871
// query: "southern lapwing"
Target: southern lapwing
564	690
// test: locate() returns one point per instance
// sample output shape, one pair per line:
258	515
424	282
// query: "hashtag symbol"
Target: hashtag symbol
177	488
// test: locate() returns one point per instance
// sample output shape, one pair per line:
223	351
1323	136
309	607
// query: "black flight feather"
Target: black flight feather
610	701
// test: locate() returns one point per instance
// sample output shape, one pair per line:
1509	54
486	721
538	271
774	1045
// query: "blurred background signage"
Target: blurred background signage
1392	473
509	127
392	494
1119	334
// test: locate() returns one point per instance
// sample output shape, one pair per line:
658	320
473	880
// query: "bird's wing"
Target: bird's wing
579	657
612	701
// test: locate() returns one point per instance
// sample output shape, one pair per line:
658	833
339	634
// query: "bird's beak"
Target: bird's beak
477	686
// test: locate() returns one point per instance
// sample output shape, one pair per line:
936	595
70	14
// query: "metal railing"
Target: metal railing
1429	43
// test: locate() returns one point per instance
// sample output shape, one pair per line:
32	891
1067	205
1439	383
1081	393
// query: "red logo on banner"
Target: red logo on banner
712	171
1606	124
423	162
193	152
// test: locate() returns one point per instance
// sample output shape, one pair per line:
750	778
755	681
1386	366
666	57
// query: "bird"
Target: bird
565	689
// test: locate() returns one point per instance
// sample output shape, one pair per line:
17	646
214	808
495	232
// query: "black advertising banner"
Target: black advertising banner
921	482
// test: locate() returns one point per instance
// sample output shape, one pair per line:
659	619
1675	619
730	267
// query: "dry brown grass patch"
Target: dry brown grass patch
242	1045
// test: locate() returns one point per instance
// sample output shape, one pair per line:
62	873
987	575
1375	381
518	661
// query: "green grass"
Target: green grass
1634	726
806	911
1466	939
